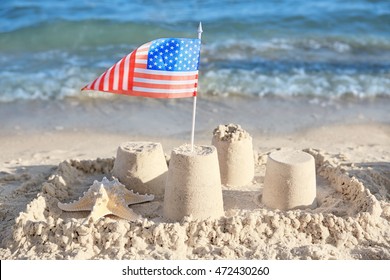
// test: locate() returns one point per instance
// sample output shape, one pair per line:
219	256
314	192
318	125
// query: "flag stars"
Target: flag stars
174	55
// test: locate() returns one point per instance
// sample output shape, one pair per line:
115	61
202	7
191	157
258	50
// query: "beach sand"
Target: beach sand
52	151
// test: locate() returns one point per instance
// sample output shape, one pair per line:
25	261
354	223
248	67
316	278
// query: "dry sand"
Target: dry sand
193	186
352	221
235	154
290	181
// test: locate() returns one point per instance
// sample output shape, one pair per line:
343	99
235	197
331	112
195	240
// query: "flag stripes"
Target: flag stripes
131	76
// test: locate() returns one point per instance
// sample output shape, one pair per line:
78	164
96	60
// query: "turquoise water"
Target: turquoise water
324	48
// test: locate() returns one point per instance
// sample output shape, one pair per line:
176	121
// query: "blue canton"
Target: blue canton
174	54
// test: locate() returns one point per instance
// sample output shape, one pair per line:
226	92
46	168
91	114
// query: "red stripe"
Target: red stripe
163	86
111	78
164	77
140	65
131	70
156	95
91	86
120	73
101	83
163	95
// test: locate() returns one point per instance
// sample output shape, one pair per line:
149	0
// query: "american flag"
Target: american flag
163	68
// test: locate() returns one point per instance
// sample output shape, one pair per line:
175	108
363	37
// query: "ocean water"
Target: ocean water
324	48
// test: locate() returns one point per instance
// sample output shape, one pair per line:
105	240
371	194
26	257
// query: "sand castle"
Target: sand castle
141	166
193	185
351	220
290	181
235	154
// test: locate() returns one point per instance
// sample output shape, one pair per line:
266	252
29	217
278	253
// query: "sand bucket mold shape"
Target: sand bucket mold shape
193	185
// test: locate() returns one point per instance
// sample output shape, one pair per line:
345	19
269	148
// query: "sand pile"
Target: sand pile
230	132
193	186
290	181
235	154
142	166
350	222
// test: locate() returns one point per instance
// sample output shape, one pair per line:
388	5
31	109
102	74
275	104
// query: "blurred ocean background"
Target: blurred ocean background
315	49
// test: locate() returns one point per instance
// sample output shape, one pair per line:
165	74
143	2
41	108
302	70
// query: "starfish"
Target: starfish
107	197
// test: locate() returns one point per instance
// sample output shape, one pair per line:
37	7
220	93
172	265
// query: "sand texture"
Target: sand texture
53	151
141	166
235	154
193	186
352	220
290	181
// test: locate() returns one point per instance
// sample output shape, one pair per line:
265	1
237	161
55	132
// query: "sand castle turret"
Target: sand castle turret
235	154
290	181
193	184
141	166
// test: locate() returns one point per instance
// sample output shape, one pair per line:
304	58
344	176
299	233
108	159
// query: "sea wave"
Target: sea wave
50	49
67	82
95	33
241	82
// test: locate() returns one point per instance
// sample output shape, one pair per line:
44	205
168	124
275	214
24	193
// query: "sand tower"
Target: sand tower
290	181
235	154
193	184
141	166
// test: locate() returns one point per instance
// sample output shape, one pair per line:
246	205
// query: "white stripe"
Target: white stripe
165	82
156	90
140	61
107	79
116	76
126	72
165	73
142	53
97	84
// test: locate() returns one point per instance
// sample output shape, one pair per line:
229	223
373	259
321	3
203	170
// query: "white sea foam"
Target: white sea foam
282	49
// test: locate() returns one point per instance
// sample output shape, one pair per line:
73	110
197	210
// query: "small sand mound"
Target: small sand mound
230	132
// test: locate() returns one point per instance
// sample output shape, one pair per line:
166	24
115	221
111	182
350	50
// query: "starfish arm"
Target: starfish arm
124	212
85	203
134	198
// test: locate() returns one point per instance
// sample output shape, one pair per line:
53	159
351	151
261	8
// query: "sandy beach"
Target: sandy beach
52	151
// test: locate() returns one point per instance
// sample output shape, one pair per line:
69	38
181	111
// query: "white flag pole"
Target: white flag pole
200	30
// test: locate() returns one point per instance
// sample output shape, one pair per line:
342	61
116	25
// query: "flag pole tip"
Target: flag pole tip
200	29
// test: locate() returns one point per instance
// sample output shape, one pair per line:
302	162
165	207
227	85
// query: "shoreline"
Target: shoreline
58	130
